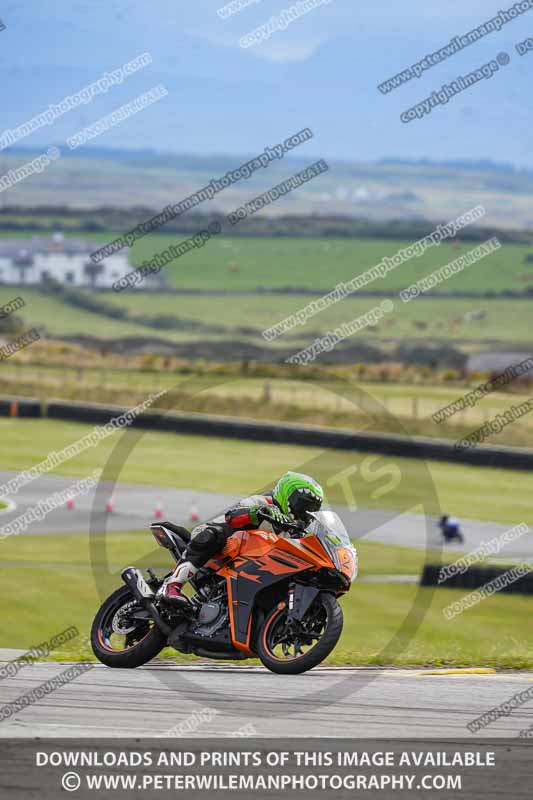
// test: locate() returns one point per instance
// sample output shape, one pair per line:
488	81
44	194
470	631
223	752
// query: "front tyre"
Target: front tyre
293	649
121	639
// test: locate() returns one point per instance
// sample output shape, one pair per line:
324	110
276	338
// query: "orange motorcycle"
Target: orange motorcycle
265	596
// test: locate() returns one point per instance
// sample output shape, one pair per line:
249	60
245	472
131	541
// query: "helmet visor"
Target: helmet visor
301	503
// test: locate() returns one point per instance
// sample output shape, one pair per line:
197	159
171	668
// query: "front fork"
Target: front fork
300	599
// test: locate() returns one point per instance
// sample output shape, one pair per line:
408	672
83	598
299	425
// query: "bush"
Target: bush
450	375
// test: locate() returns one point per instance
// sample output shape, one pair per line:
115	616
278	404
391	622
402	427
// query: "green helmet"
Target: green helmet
298	494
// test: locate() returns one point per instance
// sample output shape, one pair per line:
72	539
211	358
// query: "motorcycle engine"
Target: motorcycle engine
211	617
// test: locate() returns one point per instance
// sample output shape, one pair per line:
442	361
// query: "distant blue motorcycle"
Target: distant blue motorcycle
449	527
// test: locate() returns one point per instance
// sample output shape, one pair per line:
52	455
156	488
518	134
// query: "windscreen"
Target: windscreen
328	527
328	524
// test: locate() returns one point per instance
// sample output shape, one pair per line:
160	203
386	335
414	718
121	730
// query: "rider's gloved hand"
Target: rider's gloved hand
274	515
298	530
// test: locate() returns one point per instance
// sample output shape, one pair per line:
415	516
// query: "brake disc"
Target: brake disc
120	625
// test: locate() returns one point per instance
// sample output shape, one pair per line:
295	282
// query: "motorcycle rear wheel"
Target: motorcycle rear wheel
140	645
320	631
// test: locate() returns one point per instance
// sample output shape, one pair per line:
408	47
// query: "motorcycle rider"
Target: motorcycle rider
291	500
450	528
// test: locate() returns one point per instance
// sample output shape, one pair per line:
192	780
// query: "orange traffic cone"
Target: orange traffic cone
158	512
70	504
194	516
109	506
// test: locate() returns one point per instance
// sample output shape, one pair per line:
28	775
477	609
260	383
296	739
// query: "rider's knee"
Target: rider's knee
206	542
206	537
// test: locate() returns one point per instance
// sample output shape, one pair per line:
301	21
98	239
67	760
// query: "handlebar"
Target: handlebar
297	530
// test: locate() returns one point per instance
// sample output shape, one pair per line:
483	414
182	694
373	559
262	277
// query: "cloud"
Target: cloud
285	50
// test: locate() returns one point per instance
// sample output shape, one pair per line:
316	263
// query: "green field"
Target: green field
507	321
60	319
244	265
321	263
444	319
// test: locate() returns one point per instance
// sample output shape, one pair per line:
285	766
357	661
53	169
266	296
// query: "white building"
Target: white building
67	261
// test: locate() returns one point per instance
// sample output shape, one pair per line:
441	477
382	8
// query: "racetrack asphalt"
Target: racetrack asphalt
134	508
326	702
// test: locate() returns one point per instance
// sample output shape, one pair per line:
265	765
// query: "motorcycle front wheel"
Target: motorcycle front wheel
120	640
290	649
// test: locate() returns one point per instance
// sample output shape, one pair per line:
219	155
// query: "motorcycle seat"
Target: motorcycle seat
181	531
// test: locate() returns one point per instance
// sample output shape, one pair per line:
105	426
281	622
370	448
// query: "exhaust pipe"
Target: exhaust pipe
134	580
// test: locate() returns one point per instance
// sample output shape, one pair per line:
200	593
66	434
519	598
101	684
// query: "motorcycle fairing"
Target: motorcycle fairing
258	560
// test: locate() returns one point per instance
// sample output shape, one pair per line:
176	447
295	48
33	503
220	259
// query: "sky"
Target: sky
321	72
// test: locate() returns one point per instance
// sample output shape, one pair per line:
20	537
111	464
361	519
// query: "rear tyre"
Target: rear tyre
291	652
119	640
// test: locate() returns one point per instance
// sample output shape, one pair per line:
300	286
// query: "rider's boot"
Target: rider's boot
171	590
